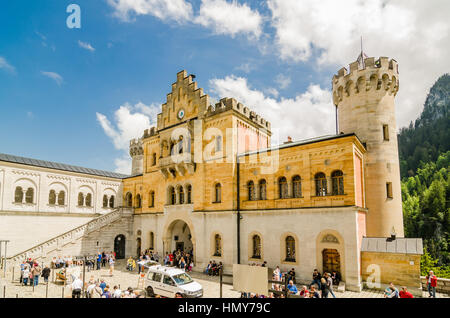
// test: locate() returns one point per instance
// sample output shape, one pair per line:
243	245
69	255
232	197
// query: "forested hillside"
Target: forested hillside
424	149
429	136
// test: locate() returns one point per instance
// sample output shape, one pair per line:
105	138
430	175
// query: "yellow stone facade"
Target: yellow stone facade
207	177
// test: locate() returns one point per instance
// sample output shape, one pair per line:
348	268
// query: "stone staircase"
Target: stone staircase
71	241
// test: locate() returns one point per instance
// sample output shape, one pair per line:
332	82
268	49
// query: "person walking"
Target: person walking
99	260
26	274
36	272
46	273
324	286
431	284
111	265
330	284
103	259
316	279
77	285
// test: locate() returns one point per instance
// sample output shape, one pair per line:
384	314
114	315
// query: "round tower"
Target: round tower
364	98
137	156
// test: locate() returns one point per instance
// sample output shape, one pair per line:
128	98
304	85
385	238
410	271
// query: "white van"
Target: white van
167	281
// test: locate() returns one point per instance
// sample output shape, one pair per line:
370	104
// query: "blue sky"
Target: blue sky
61	89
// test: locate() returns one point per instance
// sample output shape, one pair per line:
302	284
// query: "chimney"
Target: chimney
289	140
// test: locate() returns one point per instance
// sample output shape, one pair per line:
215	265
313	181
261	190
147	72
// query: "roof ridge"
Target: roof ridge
60	166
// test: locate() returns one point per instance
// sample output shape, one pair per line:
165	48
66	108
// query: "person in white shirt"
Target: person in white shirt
77	285
26	275
111	265
117	293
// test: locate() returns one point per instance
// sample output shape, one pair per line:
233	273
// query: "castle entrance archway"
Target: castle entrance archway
179	236
119	246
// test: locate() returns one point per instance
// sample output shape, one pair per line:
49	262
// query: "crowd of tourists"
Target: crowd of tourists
213	268
31	271
101	289
181	259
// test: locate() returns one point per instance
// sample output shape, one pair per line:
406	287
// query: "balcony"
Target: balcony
180	164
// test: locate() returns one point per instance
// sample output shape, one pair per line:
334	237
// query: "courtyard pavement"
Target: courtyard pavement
125	279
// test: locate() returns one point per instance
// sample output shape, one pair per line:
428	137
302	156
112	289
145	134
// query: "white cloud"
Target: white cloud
223	17
129	123
283	81
415	33
246	68
6	66
310	114
177	10
229	18
54	76
86	46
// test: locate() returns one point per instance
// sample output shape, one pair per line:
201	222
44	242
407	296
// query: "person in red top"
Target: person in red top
171	259
404	293
431	283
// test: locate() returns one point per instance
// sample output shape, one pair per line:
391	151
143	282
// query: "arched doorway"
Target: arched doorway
119	246
178	237
331	260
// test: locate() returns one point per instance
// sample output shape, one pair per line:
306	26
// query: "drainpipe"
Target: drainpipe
238	206
238	212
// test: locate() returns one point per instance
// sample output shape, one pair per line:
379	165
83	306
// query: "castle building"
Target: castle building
207	179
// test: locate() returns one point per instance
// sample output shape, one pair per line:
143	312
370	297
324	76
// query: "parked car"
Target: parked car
168	281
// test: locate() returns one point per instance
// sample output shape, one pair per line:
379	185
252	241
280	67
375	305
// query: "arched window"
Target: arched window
251	190
218	192
80	199
29	196
152	241
290	249
337	182
18	195
105	201
189	194
89	200
52	197
154	159
282	188
217	245
172	196
262	189
129	200
152	199
218	143
138	201
61	198
111	201
297	187
180	195
256	248
321	184
180	146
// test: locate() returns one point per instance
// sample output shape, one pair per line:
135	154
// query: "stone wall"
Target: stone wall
383	268
443	285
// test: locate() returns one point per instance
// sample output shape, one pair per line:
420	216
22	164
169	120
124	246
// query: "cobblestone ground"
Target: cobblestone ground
126	279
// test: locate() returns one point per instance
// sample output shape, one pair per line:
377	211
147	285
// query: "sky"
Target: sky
78	95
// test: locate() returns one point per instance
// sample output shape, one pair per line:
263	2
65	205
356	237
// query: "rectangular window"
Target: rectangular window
385	132
389	190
